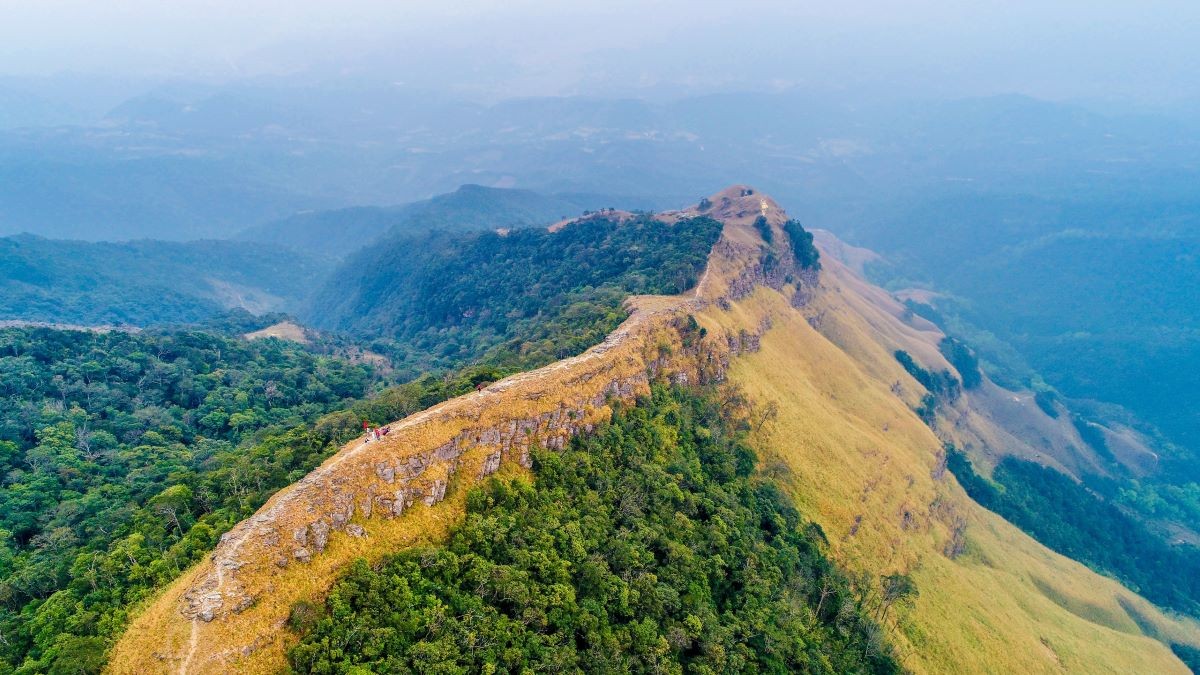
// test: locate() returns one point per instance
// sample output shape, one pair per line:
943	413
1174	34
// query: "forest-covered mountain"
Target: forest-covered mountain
341	232
969	196
148	282
451	338
984	199
522	298
127	455
843	396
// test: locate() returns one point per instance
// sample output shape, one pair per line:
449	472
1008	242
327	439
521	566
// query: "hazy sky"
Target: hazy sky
1144	49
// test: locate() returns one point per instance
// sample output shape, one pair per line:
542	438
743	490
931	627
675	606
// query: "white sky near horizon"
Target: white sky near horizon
1073	48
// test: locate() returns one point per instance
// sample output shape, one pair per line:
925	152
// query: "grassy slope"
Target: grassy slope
852	449
159	632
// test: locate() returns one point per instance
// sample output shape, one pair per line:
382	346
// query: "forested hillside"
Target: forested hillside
147	282
652	546
124	457
127	455
520	299
1068	518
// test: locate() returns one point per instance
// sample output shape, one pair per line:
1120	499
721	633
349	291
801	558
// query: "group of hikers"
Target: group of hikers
374	432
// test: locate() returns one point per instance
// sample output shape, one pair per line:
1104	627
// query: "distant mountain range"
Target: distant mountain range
272	268
184	163
339	232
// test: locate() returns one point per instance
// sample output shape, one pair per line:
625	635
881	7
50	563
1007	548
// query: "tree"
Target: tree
896	589
963	359
764	229
173	502
805	252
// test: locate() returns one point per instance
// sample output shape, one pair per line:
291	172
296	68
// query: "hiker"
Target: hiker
386	430
376	434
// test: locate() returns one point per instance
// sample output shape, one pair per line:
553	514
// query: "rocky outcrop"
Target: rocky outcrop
383	479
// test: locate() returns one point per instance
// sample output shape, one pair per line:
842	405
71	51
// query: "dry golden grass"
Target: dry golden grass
988	422
861	464
160	634
284	330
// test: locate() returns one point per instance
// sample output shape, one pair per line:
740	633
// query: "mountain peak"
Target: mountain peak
740	204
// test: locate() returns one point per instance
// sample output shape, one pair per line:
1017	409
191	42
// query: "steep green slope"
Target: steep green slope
338	233
1068	518
520	299
147	282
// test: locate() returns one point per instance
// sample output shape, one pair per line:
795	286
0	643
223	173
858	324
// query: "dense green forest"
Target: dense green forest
522	299
147	282
1079	524
124	457
651	546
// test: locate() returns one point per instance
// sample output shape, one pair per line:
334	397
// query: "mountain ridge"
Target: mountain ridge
819	348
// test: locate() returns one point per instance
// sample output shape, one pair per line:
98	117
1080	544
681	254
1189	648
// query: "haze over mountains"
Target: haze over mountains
339	232
238	156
